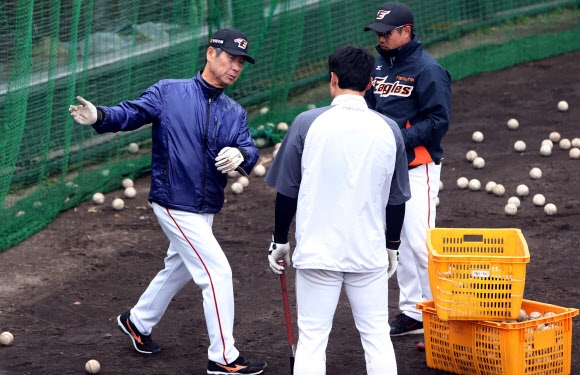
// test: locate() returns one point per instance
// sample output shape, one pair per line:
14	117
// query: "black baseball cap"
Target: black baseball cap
390	16
233	42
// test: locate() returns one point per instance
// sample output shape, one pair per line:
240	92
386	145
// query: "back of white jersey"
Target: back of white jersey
349	155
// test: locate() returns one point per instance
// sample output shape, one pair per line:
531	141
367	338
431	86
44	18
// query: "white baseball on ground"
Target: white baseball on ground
98	198
547	142
478	162
474	184
260	170
539	200
565	144
277	145
244	181
489	186
462	182
237	188
554	137
264	110
520	146
510	209
562	106
550	209
133	148
515	201
535	173
545	150
118	204
471	155
574	153
274	153
477	137
575	142
93	366
127	182
436	201
499	190
440	185
522	190
6	338
283	126
130	192
513	124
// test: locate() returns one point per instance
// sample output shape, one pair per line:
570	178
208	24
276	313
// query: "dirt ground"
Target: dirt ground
62	289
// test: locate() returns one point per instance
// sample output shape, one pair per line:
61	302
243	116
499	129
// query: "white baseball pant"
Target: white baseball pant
317	295
193	253
412	273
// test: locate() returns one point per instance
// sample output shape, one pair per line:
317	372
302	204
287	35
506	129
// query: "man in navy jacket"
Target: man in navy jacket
199	134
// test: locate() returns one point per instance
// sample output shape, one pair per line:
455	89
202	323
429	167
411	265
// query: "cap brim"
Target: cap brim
247	57
379	27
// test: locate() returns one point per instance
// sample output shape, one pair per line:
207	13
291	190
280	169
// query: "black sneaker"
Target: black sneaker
239	366
421	345
403	325
142	343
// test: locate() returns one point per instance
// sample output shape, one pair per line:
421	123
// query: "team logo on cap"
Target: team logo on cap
382	13
242	43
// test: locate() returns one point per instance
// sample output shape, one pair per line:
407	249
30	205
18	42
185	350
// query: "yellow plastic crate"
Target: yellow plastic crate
534	347
477	274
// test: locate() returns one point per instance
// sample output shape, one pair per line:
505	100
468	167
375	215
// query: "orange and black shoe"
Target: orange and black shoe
240	366
142	343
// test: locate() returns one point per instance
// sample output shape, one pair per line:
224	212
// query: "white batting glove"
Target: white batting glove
278	252
84	114
228	159
393	262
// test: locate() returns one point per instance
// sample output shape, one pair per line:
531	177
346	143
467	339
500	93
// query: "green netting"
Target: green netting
111	50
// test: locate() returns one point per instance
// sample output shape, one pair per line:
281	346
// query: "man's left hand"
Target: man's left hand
228	159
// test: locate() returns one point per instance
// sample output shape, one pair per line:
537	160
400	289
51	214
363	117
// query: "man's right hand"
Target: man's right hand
278	252
84	114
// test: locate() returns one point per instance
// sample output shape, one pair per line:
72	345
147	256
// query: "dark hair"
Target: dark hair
353	66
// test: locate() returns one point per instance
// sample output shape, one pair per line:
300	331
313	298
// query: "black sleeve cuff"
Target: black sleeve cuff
284	213
393	245
100	117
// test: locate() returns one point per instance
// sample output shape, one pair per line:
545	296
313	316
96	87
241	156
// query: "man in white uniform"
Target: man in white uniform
342	170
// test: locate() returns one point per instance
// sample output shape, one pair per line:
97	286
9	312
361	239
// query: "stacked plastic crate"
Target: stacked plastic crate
475	323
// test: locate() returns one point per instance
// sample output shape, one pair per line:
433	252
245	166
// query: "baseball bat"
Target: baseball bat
289	328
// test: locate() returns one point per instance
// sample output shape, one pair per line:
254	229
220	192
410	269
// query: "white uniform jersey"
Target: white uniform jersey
344	163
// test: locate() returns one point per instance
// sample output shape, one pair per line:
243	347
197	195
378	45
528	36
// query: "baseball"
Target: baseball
545	150
547	142
565	144
264	110
513	124
118	204
237	188
498	190
510	209
462	182
535	315
98	198
535	173
128	183
489	186
311	106
133	148
93	366
274	153
523	316
440	185
522	190
436	201
575	153
470	155
477	137
520	146
576	142
259	170
478	162
554	137
130	192
283	126
550	209
277	145
539	200
562	106
260	142
244	181
6	338
474	185
515	201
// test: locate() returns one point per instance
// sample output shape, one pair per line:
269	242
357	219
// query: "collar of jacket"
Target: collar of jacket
402	52
209	92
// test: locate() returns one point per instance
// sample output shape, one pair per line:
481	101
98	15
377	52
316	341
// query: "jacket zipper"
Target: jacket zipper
214	131
205	143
